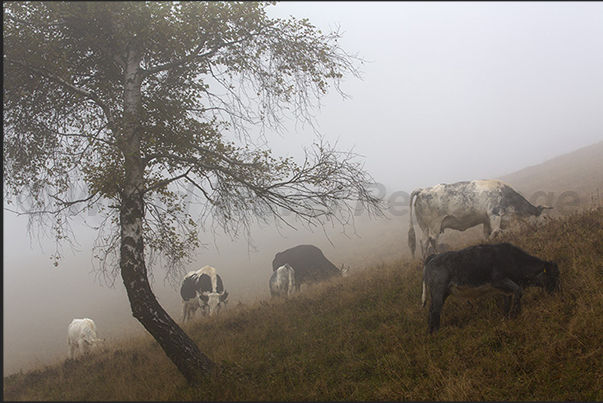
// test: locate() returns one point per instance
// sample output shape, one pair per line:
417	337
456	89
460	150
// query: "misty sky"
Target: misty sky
450	92
460	91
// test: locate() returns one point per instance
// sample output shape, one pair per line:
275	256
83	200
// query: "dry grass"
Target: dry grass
364	338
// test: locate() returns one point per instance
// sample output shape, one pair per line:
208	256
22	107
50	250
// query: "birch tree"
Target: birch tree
131	101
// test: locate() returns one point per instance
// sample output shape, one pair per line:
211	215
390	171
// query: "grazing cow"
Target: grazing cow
483	269
202	289
81	337
463	205
309	263
282	281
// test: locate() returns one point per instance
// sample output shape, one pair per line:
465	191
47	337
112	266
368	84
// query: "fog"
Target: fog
450	92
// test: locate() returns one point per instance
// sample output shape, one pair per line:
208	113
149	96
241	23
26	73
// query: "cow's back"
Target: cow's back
479	264
449	199
472	266
301	254
209	280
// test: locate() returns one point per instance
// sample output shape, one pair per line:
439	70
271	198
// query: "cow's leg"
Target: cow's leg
512	303
81	347
433	234
71	352
507	301
515	305
187	311
423	243
425	237
487	230
184	311
435	309
433	245
424	233
428	245
493	227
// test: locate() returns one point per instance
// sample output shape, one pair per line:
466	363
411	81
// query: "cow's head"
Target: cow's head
94	344
541	218
213	302
533	220
542	208
549	277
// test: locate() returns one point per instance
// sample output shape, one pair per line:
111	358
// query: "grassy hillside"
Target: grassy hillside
364	338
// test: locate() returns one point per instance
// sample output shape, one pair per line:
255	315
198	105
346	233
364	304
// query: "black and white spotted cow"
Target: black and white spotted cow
202	289
463	205
484	269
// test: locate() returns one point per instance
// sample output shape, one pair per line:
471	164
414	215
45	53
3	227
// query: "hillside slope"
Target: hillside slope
383	243
580	171
364	338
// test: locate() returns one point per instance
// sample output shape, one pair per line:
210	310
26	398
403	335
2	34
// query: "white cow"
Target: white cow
81	337
202	289
463	205
282	281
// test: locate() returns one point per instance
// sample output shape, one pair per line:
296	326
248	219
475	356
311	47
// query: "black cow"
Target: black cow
309	263
483	269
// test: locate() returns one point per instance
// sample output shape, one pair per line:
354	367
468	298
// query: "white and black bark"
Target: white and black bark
183	352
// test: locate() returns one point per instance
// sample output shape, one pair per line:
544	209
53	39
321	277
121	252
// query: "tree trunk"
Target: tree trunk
183	352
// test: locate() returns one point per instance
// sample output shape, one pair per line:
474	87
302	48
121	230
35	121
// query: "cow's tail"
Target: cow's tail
412	239
424	296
